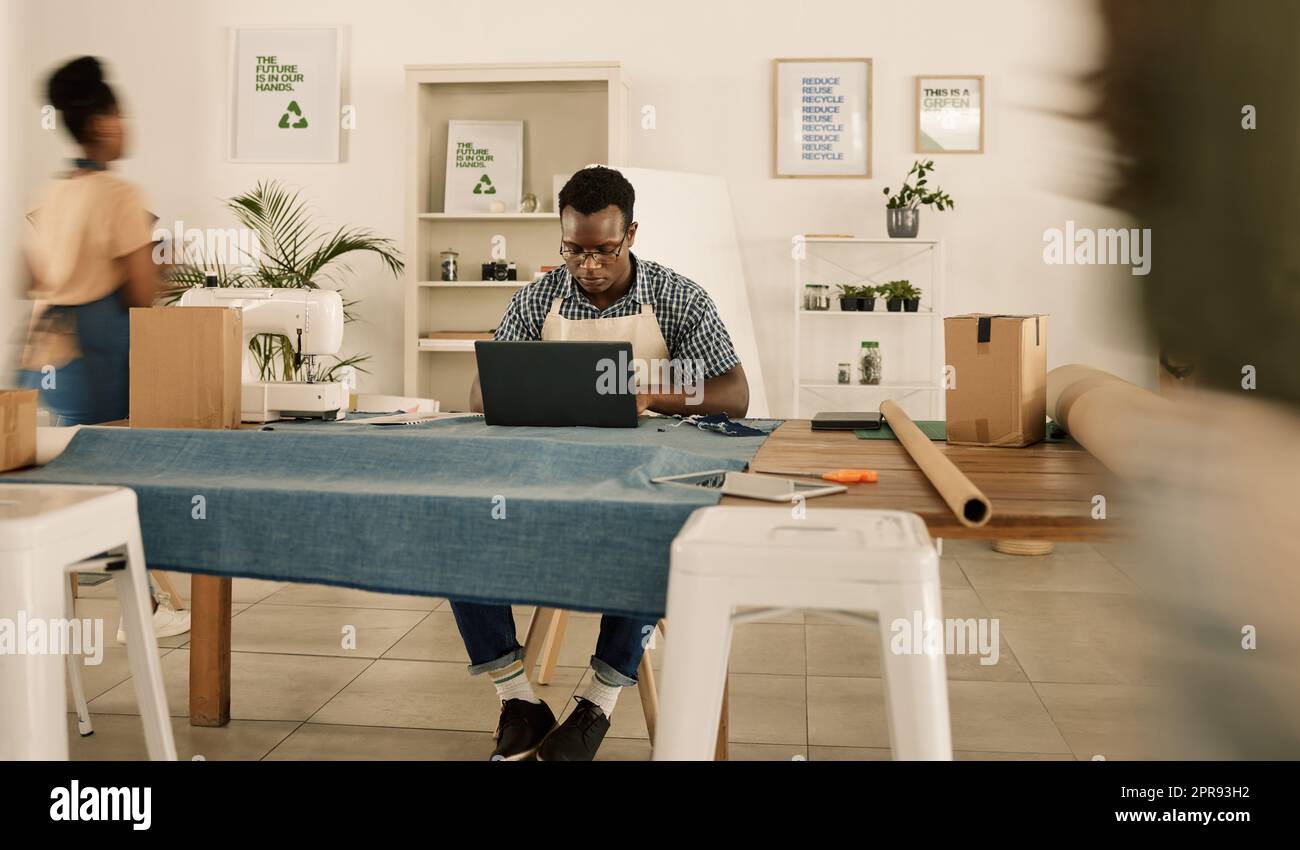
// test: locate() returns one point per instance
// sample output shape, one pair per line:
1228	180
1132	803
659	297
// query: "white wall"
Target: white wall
706	67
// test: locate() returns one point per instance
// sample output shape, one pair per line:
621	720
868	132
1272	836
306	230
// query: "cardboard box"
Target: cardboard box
998	394
17	429
186	366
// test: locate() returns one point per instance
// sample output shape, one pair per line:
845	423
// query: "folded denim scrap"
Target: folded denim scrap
721	423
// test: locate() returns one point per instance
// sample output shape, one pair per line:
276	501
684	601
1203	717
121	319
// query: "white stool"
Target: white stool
835	560
45	531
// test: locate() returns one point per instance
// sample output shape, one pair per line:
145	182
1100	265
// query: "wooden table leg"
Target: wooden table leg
209	651
645	673
551	646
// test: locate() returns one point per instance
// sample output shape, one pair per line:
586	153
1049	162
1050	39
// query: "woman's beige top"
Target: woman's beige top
82	229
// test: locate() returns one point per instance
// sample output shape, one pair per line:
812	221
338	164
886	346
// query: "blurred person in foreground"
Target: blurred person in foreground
89	255
1199	102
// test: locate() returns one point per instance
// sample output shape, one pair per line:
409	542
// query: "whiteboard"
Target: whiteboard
686	224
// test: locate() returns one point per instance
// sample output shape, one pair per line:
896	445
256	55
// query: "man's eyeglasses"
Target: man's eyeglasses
601	257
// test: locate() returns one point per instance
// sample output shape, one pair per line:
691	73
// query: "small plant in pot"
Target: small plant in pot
903	209
848	298
866	298
900	295
857	298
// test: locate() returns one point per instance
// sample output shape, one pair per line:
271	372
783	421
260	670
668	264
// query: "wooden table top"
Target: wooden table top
1040	492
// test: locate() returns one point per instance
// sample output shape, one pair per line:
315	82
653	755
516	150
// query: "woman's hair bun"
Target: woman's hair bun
78	91
79	81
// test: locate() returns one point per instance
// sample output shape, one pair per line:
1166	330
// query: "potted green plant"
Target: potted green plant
893	300
294	253
855	298
867	299
903	209
900	295
912	299
848	298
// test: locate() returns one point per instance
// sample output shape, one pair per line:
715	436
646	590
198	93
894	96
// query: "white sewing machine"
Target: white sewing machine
312	319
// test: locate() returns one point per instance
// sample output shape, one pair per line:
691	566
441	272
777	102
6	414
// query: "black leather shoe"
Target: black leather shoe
578	737
522	728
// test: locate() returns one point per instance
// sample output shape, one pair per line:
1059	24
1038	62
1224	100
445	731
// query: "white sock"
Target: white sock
511	683
602	693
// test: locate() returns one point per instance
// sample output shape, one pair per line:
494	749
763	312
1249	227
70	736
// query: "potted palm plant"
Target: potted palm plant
293	253
903	209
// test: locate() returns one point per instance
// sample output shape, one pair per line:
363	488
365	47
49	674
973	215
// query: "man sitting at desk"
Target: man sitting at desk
605	293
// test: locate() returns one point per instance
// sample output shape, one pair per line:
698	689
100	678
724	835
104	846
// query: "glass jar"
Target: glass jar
449	264
816	297
869	363
844	374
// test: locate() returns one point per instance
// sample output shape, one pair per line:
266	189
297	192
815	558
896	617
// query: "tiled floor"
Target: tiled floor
1073	679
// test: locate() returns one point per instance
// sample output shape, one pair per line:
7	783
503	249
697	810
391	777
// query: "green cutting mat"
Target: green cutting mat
938	430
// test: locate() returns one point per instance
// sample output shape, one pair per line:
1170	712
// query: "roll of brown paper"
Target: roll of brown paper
964	498
1108	416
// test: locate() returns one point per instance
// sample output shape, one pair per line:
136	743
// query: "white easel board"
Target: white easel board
686	224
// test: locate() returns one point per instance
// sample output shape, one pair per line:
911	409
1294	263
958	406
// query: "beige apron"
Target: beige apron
640	329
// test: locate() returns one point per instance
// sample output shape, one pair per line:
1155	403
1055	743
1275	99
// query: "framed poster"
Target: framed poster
823	117
950	114
485	166
284	94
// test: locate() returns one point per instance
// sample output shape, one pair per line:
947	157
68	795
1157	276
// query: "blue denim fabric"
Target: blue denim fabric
96	386
489	635
562	517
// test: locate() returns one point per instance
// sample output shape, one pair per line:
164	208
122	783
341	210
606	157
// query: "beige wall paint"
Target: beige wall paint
706	70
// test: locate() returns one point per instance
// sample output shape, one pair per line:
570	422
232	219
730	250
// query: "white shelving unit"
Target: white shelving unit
911	343
574	115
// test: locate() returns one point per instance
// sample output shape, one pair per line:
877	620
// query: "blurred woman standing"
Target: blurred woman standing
89	254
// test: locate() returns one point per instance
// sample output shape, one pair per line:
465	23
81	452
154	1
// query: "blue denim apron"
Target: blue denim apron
95	387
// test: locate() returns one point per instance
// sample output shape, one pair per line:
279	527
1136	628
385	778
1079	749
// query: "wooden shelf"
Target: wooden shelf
541	216
473	284
446	345
833	385
574	113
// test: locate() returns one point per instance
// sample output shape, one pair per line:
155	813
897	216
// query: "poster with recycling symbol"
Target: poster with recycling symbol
285	87
484	166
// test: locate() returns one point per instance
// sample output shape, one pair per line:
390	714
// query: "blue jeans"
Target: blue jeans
489	635
96	386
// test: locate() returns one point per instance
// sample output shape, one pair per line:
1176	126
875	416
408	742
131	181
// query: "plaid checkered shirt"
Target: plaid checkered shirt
688	318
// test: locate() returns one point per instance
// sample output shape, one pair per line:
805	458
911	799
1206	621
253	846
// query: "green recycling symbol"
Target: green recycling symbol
296	110
484	186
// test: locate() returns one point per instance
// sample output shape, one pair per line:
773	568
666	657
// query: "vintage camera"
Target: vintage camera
500	271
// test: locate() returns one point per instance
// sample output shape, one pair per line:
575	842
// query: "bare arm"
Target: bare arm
727	393
142	278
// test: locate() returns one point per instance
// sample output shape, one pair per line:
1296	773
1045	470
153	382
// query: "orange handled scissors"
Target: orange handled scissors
839	476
